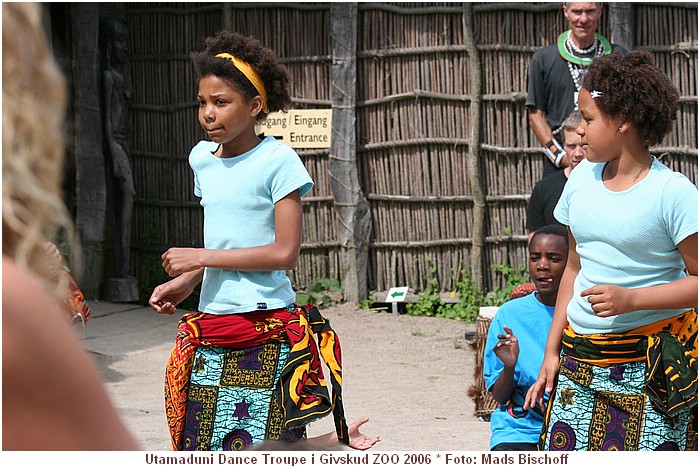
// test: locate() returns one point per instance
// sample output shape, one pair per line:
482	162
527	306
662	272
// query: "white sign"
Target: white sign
299	128
397	294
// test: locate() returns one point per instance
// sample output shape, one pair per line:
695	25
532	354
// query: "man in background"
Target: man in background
545	195
555	77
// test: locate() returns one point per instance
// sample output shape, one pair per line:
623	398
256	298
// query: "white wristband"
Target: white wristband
554	157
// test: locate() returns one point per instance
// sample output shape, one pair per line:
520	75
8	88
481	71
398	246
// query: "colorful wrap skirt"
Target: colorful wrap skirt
74	303
236	380
632	391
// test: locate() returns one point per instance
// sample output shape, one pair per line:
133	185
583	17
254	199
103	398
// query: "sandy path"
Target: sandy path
408	375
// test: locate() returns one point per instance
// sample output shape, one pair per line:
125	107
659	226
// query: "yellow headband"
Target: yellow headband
253	77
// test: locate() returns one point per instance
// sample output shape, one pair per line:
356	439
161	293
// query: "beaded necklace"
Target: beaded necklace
570	44
577	65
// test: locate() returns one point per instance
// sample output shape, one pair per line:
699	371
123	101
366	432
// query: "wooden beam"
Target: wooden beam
351	206
621	24
90	183
474	164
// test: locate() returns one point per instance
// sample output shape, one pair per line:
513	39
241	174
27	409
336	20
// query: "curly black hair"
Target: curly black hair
274	75
633	87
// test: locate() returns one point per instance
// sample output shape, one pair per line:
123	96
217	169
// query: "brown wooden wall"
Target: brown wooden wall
413	100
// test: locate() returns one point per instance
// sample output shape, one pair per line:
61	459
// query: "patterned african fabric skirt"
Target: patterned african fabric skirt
635	391
236	380
231	402
75	305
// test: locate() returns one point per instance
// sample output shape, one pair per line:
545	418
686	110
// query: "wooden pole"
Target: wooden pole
90	183
473	164
621	24
228	16
350	203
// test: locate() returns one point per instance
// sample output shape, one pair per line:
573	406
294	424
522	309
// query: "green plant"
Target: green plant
367	303
469	297
429	303
324	293
513	276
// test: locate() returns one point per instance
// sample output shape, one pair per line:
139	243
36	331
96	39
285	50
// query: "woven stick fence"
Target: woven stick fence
414	107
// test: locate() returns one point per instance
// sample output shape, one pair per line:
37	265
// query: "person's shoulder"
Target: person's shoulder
558	178
670	179
204	145
546	52
540	185
516	310
528	302
202	148
583	169
202	152
273	146
512	305
548	49
681	180
277	152
539	188
587	163
662	170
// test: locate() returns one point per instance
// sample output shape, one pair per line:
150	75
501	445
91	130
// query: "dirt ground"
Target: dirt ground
407	374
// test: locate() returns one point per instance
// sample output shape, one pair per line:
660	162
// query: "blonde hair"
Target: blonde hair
33	108
572	121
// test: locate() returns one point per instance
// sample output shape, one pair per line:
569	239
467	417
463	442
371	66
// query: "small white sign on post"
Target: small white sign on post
396	295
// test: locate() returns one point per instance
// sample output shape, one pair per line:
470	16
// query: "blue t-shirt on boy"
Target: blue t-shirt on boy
530	321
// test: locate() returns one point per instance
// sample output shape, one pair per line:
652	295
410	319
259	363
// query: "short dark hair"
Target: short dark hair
554	229
633	87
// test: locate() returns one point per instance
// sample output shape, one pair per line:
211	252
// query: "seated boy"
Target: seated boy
516	340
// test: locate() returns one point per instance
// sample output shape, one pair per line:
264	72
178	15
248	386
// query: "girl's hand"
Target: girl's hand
177	261
544	383
167	296
358	440
507	349
607	300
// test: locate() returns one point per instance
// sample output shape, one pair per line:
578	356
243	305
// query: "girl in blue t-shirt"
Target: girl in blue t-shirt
622	350
246	368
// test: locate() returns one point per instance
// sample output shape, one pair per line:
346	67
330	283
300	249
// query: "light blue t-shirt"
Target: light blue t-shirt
239	195
626	238
530	321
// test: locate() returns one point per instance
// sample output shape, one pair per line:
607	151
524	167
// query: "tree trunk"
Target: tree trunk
621	24
473	165
350	203
90	184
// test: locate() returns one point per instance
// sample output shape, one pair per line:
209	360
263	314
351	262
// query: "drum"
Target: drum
483	401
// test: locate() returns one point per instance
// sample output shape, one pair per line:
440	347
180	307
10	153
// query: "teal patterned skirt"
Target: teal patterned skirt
231	404
606	408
